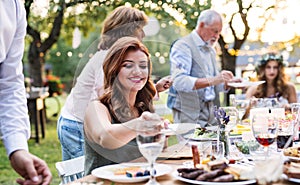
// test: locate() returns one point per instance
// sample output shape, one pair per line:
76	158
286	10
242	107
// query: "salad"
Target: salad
203	133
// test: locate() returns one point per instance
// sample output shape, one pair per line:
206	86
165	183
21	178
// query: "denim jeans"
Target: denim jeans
71	136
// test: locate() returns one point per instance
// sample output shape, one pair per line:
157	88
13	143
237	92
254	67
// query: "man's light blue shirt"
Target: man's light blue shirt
181	64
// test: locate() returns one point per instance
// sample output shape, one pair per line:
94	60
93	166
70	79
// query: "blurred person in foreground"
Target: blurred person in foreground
123	21
271	69
125	108
197	81
14	120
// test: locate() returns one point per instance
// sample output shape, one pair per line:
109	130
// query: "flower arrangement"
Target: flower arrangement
223	120
221	116
55	84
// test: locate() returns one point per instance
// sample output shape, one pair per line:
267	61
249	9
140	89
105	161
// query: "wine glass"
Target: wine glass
241	106
295	108
264	128
151	145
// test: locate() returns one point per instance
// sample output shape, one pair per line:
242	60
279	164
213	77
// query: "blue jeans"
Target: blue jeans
71	137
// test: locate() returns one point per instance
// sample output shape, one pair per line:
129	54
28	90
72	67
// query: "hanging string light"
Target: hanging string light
76	33
76	38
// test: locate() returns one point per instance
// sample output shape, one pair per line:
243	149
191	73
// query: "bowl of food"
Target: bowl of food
246	146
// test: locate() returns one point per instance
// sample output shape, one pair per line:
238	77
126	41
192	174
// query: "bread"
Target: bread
292	151
241	172
292	169
212	165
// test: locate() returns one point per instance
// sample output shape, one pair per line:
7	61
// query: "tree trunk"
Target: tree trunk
229	62
36	63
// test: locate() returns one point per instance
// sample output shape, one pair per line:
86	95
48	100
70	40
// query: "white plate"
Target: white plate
180	128
293	180
191	137
175	174
245	84
293	158
290	179
107	172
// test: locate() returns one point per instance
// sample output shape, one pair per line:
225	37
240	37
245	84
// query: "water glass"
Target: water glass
151	145
217	149
241	106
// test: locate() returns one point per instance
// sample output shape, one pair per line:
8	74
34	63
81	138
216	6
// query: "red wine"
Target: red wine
265	140
282	139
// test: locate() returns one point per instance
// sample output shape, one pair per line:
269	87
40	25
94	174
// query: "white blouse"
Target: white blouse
89	86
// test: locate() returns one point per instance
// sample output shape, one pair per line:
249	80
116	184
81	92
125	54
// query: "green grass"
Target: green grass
48	149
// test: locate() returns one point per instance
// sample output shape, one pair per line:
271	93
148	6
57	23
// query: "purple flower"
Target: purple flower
220	115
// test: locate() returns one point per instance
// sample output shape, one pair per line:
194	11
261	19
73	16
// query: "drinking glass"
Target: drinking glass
151	145
264	102
271	102
264	128
285	133
295	108
217	149
204	150
241	106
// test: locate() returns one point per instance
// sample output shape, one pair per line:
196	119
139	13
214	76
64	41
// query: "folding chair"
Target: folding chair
70	170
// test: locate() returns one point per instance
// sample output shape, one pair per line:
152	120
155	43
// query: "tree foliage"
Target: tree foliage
44	31
63	16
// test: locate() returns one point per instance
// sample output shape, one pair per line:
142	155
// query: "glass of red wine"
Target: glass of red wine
285	133
264	128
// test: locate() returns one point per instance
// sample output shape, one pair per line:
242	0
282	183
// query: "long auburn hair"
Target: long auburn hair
114	97
279	83
123	21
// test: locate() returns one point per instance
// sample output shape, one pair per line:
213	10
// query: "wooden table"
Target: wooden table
178	155
37	112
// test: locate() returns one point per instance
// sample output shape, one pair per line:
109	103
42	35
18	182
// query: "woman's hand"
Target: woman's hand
150	123
164	84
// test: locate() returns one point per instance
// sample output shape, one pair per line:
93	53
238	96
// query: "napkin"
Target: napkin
268	169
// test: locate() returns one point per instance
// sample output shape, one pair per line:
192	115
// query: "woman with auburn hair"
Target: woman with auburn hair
270	68
112	122
123	21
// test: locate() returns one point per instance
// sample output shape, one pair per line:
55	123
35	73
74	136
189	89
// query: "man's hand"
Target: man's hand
33	169
226	76
234	80
223	77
